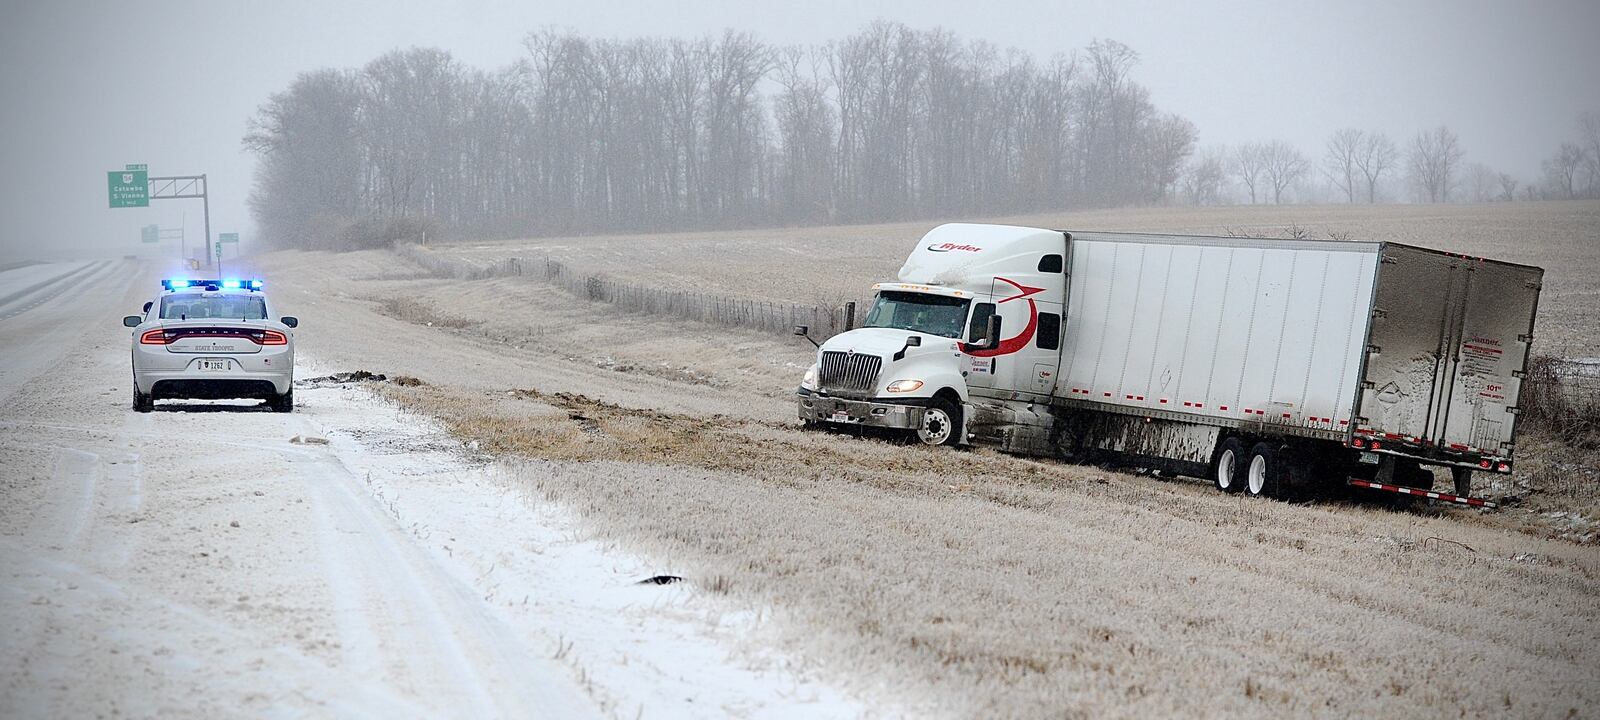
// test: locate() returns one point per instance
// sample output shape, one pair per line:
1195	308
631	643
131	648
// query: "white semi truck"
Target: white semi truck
1263	364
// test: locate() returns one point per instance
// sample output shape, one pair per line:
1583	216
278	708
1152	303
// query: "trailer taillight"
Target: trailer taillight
1359	442
1505	467
1483	464
1377	445
155	337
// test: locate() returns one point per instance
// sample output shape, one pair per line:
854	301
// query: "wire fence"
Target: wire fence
1563	396
711	308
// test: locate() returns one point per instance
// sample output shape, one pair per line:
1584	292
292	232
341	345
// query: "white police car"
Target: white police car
212	339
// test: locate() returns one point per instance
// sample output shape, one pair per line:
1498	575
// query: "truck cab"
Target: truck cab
975	312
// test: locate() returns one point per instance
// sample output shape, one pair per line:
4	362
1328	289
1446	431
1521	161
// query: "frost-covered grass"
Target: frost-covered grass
994	585
990	585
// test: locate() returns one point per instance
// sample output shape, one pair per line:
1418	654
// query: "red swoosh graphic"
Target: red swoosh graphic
1013	344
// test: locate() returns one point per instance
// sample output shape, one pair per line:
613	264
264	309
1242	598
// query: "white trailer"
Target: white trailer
1262	364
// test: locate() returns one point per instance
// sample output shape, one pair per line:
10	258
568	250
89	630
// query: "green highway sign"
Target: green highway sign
227	237
141	167
128	188
150	233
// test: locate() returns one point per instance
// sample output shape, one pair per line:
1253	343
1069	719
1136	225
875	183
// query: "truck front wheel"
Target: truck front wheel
941	423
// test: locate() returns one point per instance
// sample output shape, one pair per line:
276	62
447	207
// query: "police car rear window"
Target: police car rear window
193	306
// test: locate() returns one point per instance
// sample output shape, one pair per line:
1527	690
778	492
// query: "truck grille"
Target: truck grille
849	373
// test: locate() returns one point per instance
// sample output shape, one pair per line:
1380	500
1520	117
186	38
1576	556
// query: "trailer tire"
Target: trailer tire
941	423
1264	474
1225	472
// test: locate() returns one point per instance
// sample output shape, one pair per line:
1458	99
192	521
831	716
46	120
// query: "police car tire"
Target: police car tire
283	403
142	402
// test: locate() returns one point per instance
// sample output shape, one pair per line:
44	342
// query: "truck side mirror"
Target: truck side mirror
289	321
911	342
802	331
132	320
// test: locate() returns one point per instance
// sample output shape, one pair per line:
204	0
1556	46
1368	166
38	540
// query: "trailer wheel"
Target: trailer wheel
941	423
1225	471
1263	476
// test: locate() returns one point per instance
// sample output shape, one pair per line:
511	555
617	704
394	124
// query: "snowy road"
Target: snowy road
196	561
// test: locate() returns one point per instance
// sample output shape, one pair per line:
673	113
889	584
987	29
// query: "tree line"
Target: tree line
584	135
591	135
1368	166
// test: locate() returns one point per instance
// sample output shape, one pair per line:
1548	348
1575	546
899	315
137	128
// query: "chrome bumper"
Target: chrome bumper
817	408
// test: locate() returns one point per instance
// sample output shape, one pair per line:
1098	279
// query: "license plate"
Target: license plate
211	365
841	416
1369	458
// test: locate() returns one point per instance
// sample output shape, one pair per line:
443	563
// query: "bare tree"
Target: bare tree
1508	187
1250	162
1376	156
1283	165
1482	182
1344	147
1435	158
1203	178
1589	140
1561	171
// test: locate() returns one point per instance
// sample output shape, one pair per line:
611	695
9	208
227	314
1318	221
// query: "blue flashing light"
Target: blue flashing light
255	284
230	284
175	284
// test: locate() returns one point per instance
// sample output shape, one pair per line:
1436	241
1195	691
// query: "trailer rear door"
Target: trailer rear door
1448	342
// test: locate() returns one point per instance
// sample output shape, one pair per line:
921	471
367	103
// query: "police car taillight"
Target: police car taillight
155	337
273	337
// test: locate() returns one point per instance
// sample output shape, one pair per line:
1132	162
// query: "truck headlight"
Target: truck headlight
905	385
810	380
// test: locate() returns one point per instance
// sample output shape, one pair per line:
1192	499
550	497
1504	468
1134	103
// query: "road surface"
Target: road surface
214	559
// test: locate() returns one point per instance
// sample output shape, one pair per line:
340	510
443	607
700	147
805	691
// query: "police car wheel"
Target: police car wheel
282	403
142	402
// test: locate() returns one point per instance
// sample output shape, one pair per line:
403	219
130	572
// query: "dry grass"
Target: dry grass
990	585
803	264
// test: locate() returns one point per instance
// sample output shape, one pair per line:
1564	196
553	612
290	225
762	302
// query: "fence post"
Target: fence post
850	315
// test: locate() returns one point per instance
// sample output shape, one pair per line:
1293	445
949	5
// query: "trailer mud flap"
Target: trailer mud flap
1431	495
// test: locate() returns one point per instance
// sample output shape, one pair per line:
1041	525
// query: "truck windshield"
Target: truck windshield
191	306
931	314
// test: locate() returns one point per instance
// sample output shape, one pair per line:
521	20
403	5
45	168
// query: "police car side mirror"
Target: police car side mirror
132	320
290	321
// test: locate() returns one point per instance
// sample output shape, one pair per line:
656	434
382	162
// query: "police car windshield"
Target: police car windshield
191	306
931	314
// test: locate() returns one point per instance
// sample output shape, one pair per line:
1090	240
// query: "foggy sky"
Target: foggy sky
86	87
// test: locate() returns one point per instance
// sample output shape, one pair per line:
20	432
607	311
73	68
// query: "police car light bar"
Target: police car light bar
229	284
